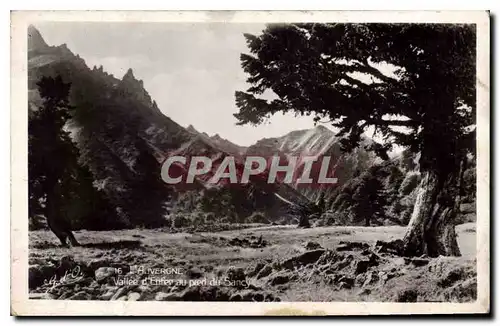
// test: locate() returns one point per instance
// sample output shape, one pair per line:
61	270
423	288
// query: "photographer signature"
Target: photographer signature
70	277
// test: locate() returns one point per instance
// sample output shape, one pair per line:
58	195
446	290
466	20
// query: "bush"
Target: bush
328	219
304	222
396	208
406	215
226	219
257	217
335	218
210	217
407	204
469	185
180	220
409	183
197	219
37	222
319	223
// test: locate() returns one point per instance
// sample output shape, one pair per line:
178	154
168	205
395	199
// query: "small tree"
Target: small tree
146	207
368	199
321	203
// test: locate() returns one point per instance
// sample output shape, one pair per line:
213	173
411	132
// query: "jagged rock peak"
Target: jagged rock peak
190	128
129	75
66	52
100	68
130	79
35	39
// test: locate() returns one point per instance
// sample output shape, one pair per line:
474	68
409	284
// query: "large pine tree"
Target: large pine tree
60	187
414	84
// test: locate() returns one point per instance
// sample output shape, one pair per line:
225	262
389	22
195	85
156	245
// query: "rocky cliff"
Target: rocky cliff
123	138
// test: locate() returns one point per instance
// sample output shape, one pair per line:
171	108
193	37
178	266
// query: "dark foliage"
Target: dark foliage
56	177
419	77
414	84
369	199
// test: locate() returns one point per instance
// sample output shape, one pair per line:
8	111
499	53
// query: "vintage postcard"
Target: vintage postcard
250	163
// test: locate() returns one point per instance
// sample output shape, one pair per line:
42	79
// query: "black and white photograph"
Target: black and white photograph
301	160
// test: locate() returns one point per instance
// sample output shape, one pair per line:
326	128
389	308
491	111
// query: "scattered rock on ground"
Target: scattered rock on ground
407	295
350	246
265	271
194	273
107	296
253	271
248	242
206	293
162	296
102	274
308	257
417	262
133	296
121	292
354	269
82	295
393	247
311	245
279	279
462	291
451	277
37	274
236	274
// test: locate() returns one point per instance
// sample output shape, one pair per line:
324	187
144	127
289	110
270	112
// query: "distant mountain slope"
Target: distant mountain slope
313	141
318	142
123	138
114	124
219	142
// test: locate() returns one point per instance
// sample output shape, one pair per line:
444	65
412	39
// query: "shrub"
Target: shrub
335	218
257	217
406	215
328	218
180	220
226	219
37	222
210	217
409	183
319	223
197	219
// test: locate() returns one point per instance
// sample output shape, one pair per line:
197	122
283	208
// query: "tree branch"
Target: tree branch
367	68
364	67
356	82
402	123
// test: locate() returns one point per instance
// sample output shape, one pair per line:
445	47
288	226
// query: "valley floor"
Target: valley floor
262	263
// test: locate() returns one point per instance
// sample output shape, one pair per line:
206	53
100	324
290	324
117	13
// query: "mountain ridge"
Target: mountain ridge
124	137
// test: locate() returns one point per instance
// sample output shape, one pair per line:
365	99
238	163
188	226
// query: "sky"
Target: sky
190	70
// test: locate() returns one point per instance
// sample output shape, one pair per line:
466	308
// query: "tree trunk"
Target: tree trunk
431	230
57	223
51	213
